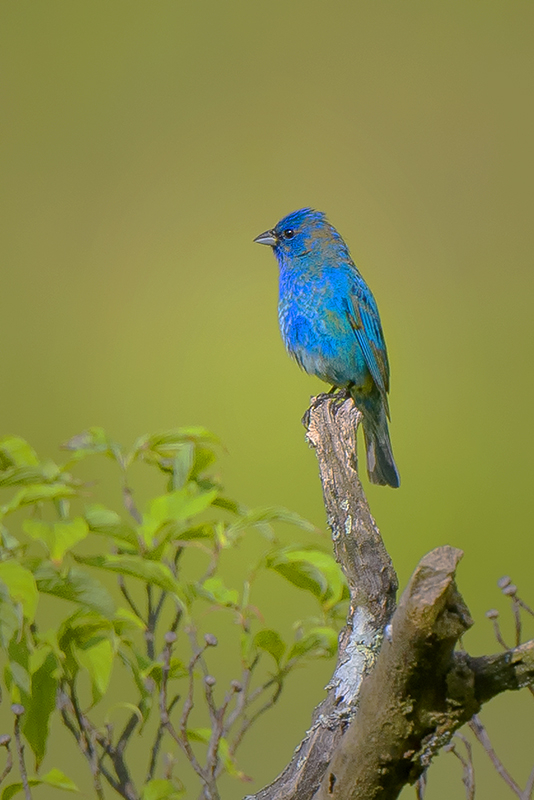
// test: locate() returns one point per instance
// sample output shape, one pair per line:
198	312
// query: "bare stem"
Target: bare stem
18	711
481	734
5	741
249	721
127	596
129	504
468	777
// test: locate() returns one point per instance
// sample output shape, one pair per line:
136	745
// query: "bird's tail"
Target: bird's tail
381	467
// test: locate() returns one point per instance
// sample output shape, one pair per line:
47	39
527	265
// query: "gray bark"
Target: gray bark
393	701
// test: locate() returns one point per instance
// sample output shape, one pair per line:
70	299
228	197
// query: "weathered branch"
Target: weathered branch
406	710
392	702
331	429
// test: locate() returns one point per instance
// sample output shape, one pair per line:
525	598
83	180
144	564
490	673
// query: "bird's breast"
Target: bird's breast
316	329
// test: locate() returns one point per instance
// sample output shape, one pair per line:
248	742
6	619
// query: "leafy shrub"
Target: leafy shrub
56	541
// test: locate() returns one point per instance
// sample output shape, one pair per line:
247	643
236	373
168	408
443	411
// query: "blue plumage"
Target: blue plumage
330	324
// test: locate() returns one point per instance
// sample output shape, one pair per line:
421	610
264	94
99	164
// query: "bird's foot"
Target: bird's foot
336	395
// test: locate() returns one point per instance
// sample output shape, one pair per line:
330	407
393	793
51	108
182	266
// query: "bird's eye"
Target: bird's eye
288	233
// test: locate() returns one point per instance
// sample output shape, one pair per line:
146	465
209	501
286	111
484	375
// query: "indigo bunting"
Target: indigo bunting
330	325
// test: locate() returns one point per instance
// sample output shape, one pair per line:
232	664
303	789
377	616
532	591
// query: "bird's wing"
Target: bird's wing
365	322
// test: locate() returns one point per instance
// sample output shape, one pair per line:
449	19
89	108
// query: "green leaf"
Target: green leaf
16	476
10	617
21	586
261	518
53	778
126	615
103	521
14	788
150	571
177	669
203	531
36	493
229	762
8	541
58	537
89	442
320	642
204	458
214	589
313	570
166	442
229	505
42	704
81	631
76	585
202	735
98	661
16	452
271	642
180	505
20	677
174	507
160	789
59	780
83	628
182	465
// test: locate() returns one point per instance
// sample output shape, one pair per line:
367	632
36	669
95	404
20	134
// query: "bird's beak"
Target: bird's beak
266	238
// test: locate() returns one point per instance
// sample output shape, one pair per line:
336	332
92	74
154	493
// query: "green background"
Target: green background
145	144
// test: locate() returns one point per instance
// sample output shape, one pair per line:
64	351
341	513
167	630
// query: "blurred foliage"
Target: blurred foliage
57	543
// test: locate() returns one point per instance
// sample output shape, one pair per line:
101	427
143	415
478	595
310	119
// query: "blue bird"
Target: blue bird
330	325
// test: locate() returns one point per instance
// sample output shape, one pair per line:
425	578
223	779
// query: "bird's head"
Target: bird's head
301	233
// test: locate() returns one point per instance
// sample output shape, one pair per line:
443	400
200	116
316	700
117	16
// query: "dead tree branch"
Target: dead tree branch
393	701
331	430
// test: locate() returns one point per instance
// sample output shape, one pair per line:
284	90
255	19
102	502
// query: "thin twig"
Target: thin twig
129	505
188	704
116	754
5	741
69	724
212	566
482	736
248	722
493	615
529	787
517	619
242	697
185	745
94	763
18	711
525	607
127	596
182	738
170	638
176	620
468	776
157	742
209	683
159	606
126	733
